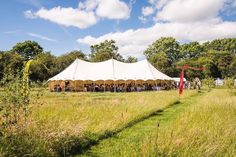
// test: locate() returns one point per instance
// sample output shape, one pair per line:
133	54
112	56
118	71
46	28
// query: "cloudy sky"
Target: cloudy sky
64	25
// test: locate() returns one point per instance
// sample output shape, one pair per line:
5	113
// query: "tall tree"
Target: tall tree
163	54
27	49
43	67
191	50
10	62
227	44
104	51
232	68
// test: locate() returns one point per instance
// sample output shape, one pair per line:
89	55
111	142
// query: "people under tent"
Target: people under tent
131	86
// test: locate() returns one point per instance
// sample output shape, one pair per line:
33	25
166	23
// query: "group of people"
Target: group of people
113	87
122	87
187	85
131	87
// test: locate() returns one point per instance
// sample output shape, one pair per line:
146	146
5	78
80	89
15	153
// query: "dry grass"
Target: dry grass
66	123
207	128
96	112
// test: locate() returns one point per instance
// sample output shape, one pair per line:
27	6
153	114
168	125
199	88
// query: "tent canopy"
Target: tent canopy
110	70
177	79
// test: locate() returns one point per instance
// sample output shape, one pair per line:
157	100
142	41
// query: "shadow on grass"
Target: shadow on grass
79	146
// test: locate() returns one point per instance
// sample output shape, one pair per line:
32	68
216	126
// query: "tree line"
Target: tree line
217	56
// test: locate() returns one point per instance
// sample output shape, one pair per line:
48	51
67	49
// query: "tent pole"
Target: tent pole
114	86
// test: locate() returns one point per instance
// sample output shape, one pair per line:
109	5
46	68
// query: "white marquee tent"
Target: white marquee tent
110	70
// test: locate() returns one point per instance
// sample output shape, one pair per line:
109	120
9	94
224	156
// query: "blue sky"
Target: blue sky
60	26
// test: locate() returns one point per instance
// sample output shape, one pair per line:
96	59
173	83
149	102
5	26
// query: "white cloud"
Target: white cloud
134	42
190	10
67	16
147	11
86	15
41	37
113	9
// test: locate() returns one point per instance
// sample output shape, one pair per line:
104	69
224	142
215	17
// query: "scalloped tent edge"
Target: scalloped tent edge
110	70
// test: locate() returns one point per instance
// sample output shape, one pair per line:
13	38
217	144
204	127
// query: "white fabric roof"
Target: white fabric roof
177	79
110	70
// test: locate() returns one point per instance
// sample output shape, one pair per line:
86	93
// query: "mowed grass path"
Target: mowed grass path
202	125
129	141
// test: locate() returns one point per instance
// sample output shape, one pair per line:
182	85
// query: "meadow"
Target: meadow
63	124
207	128
158	123
200	125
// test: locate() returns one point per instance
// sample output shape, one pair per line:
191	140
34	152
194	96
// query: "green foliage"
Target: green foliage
27	49
24	144
217	56
14	111
209	82
232	68
45	64
229	84
191	50
12	102
43	67
226	44
10	62
104	51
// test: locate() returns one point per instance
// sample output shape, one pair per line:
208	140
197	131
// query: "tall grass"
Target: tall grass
70	122
207	128
98	112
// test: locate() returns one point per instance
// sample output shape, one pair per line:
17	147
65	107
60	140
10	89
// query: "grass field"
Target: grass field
207	128
68	123
129	124
202	125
